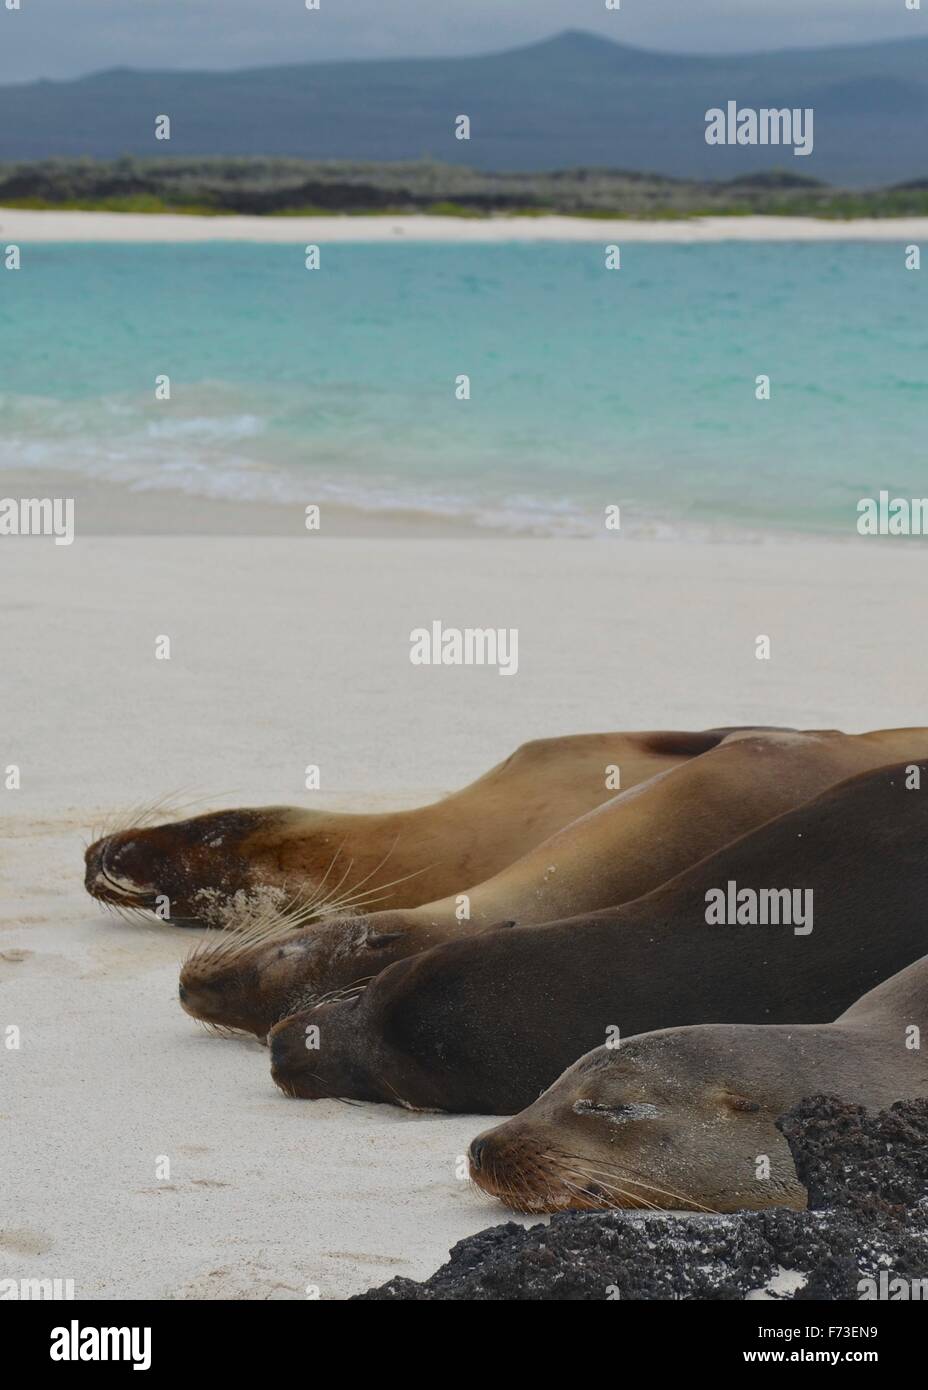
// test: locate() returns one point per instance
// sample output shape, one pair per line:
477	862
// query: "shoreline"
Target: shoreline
27	225
116	509
111	508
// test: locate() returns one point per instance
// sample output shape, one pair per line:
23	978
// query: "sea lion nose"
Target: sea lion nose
477	1151
279	1049
93	865
114	851
182	993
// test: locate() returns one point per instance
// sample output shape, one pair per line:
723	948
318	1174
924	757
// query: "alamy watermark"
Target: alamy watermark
892	1288
732	906
469	646
76	1343
38	516
899	516
36	1290
747	125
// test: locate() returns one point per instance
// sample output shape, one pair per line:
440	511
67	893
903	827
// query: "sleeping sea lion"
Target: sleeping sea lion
685	1118
212	867
610	856
486	1024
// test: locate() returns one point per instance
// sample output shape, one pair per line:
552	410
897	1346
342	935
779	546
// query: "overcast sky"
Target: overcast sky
66	38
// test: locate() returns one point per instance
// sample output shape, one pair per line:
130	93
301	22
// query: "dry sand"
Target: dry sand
22	225
287	652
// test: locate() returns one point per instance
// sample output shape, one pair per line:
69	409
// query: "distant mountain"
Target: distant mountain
573	100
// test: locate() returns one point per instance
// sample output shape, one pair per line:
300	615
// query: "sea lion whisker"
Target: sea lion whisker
273	923
374	894
334	903
289	1087
360	903
142	814
355	896
337	889
515	1192
399	1099
691	1203
343	992
609	1189
320	886
220	1030
581	1169
276	921
610	1196
174	805
135	916
377	867
230	943
251	927
318	893
624	1176
136	815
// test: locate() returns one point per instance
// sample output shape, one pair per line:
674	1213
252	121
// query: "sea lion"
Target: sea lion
685	1118
486	1024
610	856
337	861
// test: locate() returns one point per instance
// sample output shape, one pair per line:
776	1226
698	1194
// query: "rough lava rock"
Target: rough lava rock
867	1179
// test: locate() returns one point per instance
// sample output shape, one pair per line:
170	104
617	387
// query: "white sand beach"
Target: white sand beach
25	225
286	652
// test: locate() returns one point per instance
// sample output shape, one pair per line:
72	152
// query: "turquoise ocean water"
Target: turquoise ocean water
587	386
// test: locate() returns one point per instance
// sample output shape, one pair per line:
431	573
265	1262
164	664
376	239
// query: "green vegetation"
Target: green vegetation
295	187
140	202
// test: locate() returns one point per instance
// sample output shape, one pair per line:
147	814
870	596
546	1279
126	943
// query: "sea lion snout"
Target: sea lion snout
295	1058
280	1042
124	862
492	1149
659	1123
93	866
188	871
226	999
115	871
511	1162
314	1055
475	1154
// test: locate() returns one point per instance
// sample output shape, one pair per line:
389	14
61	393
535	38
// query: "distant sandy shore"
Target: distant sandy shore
18	224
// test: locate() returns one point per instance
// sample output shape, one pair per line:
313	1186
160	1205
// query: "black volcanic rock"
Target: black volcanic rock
867	1177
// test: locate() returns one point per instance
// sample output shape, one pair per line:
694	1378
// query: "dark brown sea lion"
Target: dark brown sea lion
202	866
685	1118
609	856
486	1024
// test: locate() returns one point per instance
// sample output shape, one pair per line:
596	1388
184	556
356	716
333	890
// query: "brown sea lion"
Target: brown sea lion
685	1118
486	1024
342	862
609	856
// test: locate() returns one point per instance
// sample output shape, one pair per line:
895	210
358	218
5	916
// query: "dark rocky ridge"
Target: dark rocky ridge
271	187
867	1178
